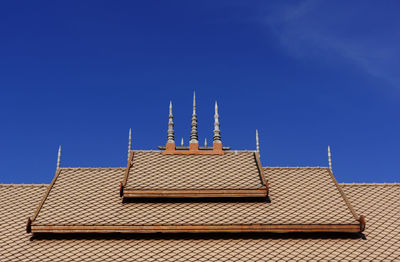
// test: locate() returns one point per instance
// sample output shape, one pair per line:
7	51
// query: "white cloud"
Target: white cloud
319	29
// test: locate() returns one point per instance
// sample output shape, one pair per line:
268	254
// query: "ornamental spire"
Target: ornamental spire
257	143
170	137
193	133
217	131
329	158
59	157
129	142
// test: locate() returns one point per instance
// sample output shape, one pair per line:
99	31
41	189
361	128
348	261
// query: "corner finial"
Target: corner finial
205	142
129	142
193	133
182	141
329	158
217	131
171	136
59	157
257	143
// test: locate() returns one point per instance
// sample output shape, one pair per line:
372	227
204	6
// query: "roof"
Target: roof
88	197
194	174
382	233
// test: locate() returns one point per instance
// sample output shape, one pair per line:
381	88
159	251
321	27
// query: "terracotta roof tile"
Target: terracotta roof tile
91	197
382	242
233	170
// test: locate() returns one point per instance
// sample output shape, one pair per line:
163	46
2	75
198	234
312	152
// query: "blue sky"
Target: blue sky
306	74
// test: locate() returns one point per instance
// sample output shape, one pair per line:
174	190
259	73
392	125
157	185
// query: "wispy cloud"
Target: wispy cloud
366	36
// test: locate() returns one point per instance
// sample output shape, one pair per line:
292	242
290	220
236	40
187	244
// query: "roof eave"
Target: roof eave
344	228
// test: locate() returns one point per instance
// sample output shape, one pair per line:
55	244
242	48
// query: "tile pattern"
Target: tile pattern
90	196
153	170
378	201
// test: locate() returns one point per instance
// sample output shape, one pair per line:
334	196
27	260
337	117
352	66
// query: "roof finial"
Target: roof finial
205	142
257	143
329	158
170	136
182	141
129	142
217	131
193	133
59	157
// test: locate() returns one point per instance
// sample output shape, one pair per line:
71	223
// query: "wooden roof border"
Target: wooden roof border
125	180
229	193
261	170
278	228
29	222
346	200
360	219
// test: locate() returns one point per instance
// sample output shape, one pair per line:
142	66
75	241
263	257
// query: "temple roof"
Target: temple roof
87	199
382	234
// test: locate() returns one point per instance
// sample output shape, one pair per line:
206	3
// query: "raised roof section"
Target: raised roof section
232	174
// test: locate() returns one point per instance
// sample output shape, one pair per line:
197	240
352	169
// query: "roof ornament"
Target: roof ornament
170	125
217	131
59	157
257	143
205	142
329	158
129	142
182	141
193	133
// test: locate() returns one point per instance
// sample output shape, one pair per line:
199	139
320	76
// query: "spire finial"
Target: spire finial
329	158
217	131
193	133
170	137
129	142
257	143
59	157
182	141
205	142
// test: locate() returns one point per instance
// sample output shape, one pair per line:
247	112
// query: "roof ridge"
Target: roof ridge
370	184
92	167
23	185
319	167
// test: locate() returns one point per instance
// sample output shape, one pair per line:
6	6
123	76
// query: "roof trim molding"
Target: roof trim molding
128	166
28	225
279	228
346	200
195	193
261	170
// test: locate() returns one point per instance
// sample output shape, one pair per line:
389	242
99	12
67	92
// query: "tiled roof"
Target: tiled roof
90	196
380	202
232	170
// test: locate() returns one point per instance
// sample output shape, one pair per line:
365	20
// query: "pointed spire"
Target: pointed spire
217	131
257	143
205	142
129	142
170	137
329	158
193	133
59	157
182	141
